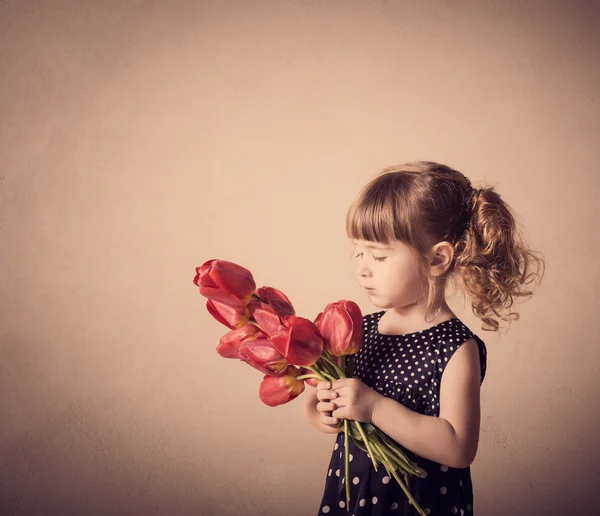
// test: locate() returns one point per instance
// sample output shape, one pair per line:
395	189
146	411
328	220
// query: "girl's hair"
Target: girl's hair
421	203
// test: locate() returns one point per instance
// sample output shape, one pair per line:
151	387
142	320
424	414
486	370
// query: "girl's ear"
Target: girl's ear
442	255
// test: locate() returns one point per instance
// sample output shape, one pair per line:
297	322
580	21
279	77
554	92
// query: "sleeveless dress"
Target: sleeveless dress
407	368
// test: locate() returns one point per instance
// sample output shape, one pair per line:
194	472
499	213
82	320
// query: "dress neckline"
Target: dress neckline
380	314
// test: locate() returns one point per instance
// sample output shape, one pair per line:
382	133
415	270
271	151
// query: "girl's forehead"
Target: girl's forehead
376	245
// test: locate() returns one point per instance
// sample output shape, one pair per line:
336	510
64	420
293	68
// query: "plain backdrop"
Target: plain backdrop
139	139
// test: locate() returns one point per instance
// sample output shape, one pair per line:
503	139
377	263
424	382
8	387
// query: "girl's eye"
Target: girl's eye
376	258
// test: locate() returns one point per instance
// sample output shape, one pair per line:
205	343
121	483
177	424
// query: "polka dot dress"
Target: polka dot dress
407	368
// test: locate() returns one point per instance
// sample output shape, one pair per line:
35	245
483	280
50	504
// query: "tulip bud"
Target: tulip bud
232	317
230	343
340	324
277	390
277	300
268	315
262	355
298	340
225	282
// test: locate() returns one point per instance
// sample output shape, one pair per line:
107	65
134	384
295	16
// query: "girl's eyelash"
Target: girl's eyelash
376	258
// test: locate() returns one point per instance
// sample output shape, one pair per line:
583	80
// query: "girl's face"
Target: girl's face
391	271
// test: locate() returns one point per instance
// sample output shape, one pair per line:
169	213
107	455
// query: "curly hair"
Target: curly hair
421	203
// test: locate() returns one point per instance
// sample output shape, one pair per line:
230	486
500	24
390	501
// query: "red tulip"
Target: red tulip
232	317
277	390
299	340
340	324
262	355
225	282
277	300
230	343
310	381
268	315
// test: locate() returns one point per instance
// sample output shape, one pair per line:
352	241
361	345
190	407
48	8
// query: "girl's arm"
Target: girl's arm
452	438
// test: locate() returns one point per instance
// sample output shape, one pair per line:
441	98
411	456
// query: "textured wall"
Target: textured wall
139	139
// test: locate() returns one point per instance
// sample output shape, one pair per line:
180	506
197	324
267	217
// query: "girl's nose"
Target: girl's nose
362	270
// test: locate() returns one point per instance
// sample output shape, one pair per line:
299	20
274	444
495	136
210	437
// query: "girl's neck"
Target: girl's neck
402	322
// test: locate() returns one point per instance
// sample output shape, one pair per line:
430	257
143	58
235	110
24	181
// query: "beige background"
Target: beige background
139	139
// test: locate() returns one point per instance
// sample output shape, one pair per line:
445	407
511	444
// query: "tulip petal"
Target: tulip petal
277	390
229	316
225	282
298	340
230	343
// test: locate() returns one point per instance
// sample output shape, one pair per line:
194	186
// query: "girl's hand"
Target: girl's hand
325	405
355	400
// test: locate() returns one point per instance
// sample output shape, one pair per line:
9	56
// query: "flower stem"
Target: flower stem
346	465
390	469
407	464
328	358
329	376
303	376
366	441
326	366
316	374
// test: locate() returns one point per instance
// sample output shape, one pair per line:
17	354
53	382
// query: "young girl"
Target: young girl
416	227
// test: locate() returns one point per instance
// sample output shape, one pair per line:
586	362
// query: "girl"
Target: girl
416	228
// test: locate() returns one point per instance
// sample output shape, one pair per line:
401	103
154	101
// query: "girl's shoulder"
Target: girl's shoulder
456	334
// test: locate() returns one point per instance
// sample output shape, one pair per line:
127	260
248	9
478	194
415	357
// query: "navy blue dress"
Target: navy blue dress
407	368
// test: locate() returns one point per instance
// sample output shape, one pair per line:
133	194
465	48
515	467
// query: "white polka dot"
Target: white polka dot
326	509
462	513
469	507
394	506
355	480
336	446
329	474
453	510
350	458
342	504
374	500
444	468
443	490
427	510
362	502
337	472
385	479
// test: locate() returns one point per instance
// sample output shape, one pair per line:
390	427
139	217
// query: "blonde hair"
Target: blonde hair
421	203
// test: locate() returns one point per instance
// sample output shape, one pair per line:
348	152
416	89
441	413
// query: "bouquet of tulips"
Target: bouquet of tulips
290	350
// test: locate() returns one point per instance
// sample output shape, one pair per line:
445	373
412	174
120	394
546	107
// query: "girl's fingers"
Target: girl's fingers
326	395
326	407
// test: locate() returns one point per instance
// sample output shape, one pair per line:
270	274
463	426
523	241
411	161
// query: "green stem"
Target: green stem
326	366
316	373
392	471
329	376
409	465
327	357
303	376
346	465
366	441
